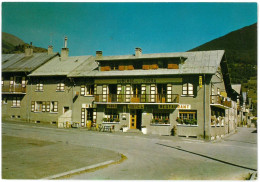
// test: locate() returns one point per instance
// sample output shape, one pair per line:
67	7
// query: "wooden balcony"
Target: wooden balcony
219	101
140	98
13	89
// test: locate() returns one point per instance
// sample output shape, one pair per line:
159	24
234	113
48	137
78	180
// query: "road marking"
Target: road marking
78	170
201	155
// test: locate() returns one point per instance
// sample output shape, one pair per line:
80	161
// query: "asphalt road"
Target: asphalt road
157	157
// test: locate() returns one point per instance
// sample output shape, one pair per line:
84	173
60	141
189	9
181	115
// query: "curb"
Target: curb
79	170
86	169
253	176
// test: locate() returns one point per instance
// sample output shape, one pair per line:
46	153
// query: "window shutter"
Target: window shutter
82	90
55	109
43	106
62	86
47	106
32	106
169	92
18	101
83	117
23	82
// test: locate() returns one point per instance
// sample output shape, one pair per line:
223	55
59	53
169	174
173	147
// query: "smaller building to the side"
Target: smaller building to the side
15	71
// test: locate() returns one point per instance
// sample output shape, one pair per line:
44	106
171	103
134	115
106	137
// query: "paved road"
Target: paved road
157	157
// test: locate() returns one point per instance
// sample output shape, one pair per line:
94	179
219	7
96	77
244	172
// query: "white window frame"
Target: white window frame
60	87
39	87
16	102
53	106
187	89
86	90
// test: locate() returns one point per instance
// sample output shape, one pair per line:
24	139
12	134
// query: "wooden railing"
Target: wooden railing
13	89
217	99
139	98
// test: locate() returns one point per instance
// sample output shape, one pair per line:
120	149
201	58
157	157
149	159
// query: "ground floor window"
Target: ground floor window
187	117
111	115
161	118
44	106
16	102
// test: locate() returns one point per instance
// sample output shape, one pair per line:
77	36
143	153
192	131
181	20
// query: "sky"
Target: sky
118	28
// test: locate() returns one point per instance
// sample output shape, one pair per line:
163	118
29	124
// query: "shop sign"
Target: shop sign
135	106
112	106
166	106
184	106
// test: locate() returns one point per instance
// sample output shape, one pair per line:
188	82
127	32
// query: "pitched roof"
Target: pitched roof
197	62
58	67
22	63
236	87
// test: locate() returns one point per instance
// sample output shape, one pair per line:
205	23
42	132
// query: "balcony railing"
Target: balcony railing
220	101
139	98
13	89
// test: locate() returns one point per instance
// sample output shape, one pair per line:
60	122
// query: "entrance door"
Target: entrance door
132	119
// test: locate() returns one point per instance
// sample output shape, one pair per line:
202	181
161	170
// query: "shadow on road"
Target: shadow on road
239	141
254	131
201	155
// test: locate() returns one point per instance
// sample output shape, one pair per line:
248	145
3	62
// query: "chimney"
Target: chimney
28	50
138	51
65	50
98	54
50	49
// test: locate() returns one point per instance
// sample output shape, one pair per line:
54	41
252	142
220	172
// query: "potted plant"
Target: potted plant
104	119
178	120
116	120
144	129
166	121
156	120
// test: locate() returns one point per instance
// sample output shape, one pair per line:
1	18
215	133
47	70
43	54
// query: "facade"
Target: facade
15	70
187	94
53	96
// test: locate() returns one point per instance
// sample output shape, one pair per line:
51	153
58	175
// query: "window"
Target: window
44	106
16	102
187	89
38	106
187	117
54	106
111	115
87	90
60	87
218	91
161	118
39	87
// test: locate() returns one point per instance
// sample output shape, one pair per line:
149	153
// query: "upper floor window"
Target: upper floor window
187	89
60	87
16	102
44	106
87	90
39	87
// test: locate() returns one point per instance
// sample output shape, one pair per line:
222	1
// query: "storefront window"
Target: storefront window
161	118
111	115
187	117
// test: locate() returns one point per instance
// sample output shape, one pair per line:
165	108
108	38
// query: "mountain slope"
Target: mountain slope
12	45
241	52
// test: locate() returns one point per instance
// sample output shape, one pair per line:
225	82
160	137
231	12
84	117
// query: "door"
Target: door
132	119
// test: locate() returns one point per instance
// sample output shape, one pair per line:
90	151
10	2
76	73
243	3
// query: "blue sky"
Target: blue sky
117	28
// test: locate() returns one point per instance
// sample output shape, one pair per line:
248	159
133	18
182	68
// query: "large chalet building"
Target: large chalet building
187	94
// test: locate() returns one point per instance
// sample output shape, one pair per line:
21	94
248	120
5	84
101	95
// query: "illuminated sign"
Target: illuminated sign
166	106
184	106
200	81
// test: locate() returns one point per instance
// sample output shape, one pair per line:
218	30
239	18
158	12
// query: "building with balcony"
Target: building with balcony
15	70
55	98
186	93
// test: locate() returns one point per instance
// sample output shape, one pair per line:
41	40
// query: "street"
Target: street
156	157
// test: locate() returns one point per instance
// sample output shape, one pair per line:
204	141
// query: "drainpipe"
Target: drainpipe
204	109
